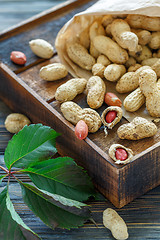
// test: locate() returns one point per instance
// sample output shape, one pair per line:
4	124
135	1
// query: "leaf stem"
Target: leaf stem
9	179
4	169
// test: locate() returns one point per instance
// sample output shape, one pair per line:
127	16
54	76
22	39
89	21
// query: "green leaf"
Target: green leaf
11	225
62	176
54	210
1	177
32	144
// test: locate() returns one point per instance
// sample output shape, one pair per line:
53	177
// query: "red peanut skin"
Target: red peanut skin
121	154
112	100
18	57
81	130
110	116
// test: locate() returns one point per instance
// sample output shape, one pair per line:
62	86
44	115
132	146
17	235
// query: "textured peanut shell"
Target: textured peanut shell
156	67
149	61
155	40
115	224
96	89
107	19
95	29
114	71
139	128
74	113
149	87
108	30
134	100
111	49
122	34
79	55
98	70
69	90
53	72
144	22
103	60
144	36
84	38
112	151
137	52
93	51
134	67
116	120
145	54
130	62
129	81
41	48
15	122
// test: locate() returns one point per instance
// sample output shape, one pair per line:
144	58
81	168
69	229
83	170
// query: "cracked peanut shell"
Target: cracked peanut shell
117	118
112	151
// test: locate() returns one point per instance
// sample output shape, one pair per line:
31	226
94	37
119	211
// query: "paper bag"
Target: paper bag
72	29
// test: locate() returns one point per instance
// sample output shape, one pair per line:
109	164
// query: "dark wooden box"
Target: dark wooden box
23	91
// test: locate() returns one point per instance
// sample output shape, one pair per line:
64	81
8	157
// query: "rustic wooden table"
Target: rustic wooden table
142	215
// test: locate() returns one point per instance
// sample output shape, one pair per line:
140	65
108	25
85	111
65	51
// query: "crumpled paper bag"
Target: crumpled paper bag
72	29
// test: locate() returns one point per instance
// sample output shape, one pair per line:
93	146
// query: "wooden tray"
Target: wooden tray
23	91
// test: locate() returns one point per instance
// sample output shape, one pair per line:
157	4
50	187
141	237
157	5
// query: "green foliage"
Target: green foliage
62	176
61	185
33	144
55	210
11	225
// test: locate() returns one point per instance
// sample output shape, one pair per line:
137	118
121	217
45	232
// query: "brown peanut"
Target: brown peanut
74	113
107	19
145	54
115	223
149	87
122	34
111	49
155	40
145	22
98	70
53	72
41	48
96	89
79	55
95	29
114	71
130	62
69	90
134	67
84	38
103	60
129	81
15	122
144	36
134	100
149	61
137	129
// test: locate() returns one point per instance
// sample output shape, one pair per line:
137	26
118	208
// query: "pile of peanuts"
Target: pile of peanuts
122	49
119	49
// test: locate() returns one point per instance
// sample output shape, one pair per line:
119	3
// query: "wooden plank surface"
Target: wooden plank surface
142	215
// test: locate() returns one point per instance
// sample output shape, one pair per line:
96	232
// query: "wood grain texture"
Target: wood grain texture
141	215
120	184
45	89
45	26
